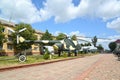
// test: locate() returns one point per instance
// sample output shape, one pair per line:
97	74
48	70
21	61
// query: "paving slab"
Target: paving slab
108	69
65	70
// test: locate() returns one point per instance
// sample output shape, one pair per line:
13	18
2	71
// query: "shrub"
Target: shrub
64	54
46	56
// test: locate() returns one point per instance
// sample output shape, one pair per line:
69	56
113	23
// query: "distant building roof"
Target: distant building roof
40	32
117	41
5	22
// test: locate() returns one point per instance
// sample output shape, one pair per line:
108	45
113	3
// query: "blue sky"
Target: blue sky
86	25
99	18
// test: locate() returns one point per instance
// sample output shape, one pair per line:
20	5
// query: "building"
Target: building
36	47
8	48
118	44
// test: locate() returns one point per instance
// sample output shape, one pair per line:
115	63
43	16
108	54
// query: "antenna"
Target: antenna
10	17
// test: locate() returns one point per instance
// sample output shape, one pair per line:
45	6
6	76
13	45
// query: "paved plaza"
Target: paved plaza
64	70
108	69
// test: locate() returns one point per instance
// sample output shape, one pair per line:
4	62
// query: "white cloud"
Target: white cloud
56	33
61	11
77	33
114	37
115	24
105	42
109	9
19	11
64	10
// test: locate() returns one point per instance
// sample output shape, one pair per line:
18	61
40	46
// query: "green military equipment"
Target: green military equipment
61	45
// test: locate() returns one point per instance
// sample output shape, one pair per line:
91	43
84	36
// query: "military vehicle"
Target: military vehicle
116	51
66	44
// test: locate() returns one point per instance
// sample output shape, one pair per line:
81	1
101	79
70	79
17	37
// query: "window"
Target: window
1	47
10	47
10	39
9	32
36	48
36	44
3	30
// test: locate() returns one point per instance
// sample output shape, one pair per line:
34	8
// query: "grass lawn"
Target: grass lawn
7	61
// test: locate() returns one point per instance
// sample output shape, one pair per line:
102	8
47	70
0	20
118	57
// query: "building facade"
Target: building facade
36	47
8	47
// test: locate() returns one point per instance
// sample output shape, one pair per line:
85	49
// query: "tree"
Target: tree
112	46
89	44
74	37
100	47
94	41
61	36
47	36
2	36
28	34
82	44
86	44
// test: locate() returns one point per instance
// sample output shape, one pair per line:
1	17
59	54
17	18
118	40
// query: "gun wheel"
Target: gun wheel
22	58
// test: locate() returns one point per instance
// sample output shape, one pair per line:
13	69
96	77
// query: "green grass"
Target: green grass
9	61
6	61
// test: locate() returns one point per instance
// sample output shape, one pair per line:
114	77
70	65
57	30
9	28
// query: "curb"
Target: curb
34	64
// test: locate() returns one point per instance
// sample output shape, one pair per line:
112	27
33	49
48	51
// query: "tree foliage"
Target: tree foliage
2	36
47	36
112	46
94	41
100	47
74	37
81	44
28	34
61	36
85	44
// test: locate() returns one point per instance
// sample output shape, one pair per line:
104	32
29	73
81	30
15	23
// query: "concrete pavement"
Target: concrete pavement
108	69
65	70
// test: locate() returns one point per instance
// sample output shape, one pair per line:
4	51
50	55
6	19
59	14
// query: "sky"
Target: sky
86	18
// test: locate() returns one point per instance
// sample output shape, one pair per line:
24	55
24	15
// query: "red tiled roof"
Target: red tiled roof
5	22
117	41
